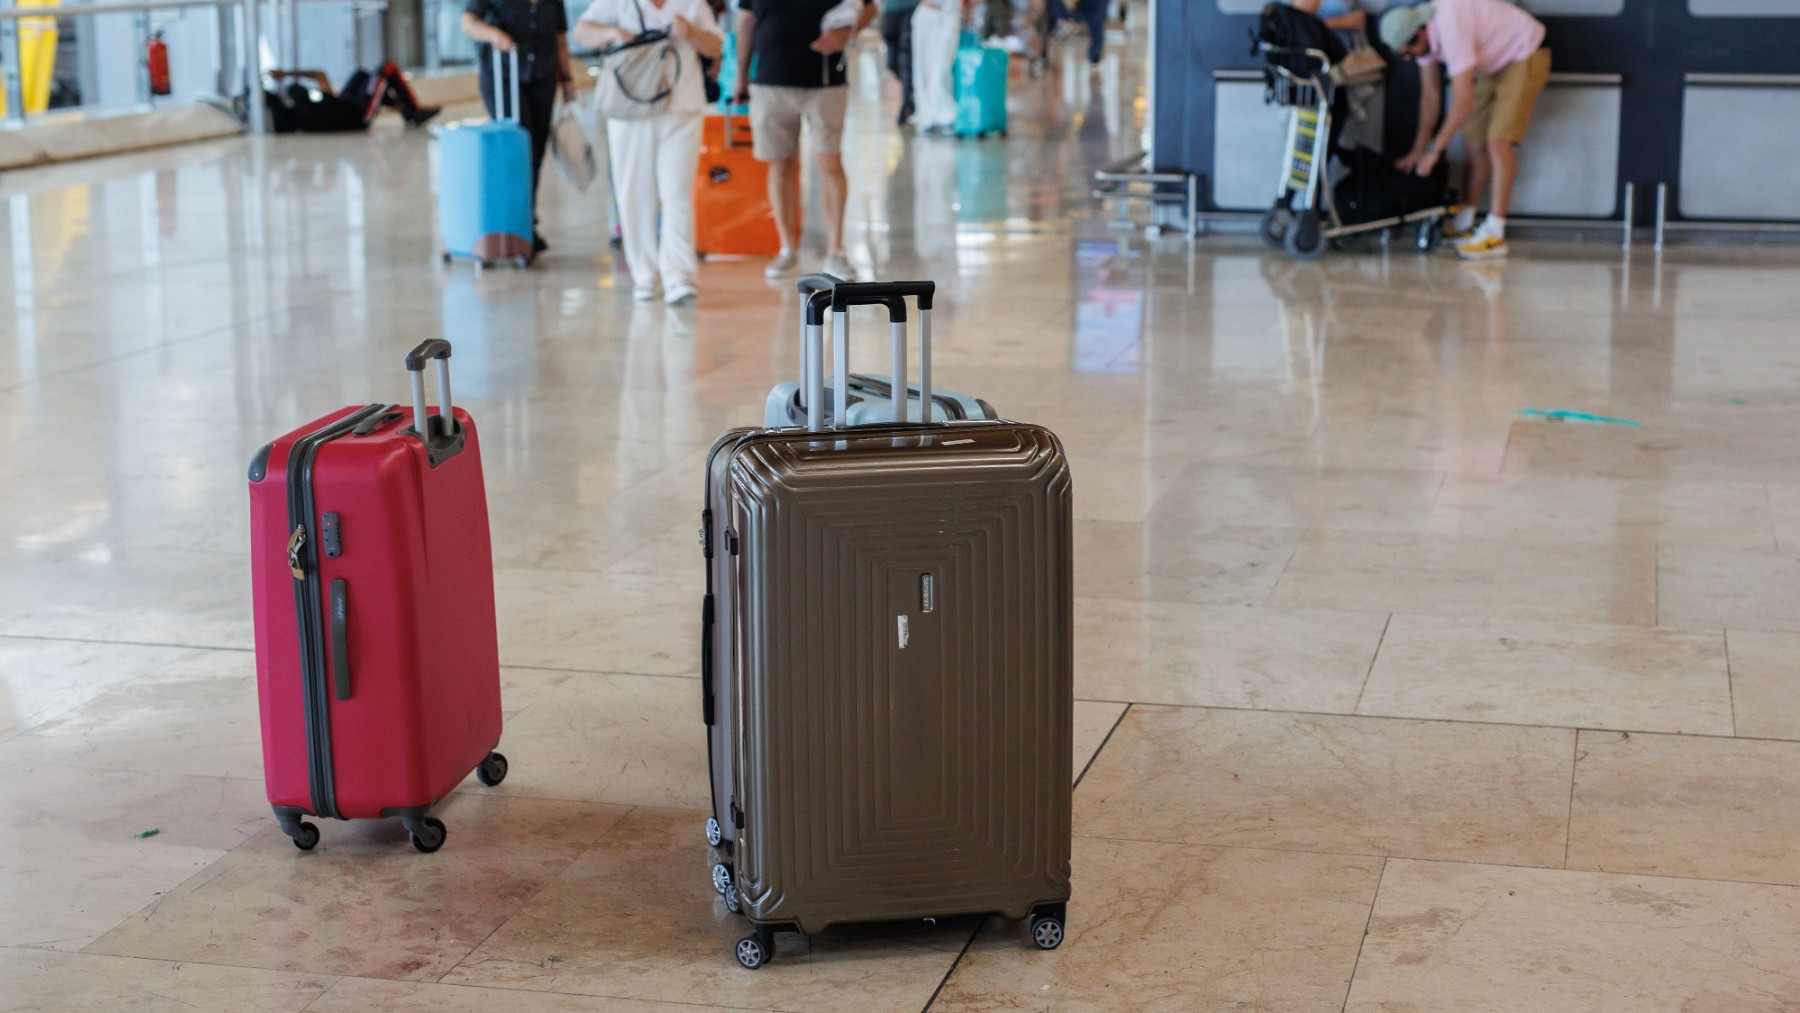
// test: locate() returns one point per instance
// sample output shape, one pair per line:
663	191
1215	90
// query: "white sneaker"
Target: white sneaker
644	294
681	295
838	266
782	266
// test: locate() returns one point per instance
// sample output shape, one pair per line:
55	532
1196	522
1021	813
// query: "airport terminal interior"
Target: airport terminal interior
1436	624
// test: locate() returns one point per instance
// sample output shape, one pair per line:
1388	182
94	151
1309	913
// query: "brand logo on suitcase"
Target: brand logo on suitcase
719	174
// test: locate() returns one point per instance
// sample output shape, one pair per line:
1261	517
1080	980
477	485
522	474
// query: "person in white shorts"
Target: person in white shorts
655	159
800	79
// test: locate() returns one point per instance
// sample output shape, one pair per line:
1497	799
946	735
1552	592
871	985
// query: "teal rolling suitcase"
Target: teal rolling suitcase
981	91
484	184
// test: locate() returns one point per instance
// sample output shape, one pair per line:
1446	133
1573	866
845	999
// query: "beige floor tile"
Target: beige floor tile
637	918
1346	785
1784	504
40	679
358	995
1568	508
1223	655
50	980
592	737
1208	496
1668	805
1480	938
1228	566
1470	576
1566	674
1765	683
599	622
364	902
73	867
1742	589
193	714
1178	927
1094	721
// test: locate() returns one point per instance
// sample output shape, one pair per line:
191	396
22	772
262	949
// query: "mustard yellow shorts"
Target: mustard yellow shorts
1503	101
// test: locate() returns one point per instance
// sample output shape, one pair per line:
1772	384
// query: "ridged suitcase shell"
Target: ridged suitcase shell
895	750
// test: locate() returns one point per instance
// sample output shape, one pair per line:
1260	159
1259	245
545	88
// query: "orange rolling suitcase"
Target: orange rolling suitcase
731	193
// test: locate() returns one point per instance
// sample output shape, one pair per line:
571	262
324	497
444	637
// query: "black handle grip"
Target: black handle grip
340	640
867	293
430	348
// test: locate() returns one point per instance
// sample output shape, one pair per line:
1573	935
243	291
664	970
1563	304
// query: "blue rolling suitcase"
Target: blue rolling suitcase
484	183
980	91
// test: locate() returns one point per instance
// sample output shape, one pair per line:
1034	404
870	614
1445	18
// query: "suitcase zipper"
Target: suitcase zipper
308	605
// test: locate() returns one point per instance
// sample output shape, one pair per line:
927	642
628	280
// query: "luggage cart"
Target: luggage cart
1306	229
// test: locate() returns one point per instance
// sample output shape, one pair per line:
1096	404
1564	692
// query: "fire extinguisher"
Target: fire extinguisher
156	58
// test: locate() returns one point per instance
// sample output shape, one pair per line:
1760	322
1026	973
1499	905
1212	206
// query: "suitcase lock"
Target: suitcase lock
296	542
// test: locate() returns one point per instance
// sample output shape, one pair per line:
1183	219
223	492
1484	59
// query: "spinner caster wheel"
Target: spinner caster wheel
428	834
1046	932
713	834
721	878
307	838
492	770
752	952
732	903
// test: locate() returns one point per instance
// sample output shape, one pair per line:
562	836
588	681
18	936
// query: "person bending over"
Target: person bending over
1498	66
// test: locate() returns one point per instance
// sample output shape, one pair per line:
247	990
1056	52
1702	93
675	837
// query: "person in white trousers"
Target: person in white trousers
654	159
936	33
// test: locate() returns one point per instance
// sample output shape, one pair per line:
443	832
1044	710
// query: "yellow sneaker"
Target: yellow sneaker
1462	223
1482	247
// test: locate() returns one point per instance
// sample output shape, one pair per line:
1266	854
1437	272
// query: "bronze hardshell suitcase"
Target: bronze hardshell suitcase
888	666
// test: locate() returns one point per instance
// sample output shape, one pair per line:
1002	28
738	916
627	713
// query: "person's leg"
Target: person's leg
1515	96
1475	134
896	34
1094	13
935	34
825	111
537	101
775	118
632	144
1504	159
677	162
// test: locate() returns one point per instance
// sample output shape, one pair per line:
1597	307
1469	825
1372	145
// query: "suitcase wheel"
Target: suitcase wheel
713	834
448	258
521	262
1046	931
492	770
307	837
483	264
732	903
721	877
753	952
427	834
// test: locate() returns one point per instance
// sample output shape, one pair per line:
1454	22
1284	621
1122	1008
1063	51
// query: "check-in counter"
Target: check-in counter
1740	148
1567	166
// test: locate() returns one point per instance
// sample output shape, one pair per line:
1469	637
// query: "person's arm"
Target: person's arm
838	39
487	34
1431	90
871	10
1462	102
705	42
1355	21
594	35
565	69
746	48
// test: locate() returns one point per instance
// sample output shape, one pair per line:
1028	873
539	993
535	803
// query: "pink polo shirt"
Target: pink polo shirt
1485	35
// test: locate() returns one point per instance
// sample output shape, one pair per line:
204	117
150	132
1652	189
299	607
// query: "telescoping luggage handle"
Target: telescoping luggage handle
823	292
506	112
442	437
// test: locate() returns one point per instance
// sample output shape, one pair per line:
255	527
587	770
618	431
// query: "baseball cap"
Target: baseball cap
1400	24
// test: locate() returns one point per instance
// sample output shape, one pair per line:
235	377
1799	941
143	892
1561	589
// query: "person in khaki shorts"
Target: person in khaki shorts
799	79
1498	67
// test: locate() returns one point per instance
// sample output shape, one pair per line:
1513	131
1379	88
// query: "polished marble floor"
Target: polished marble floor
1392	697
